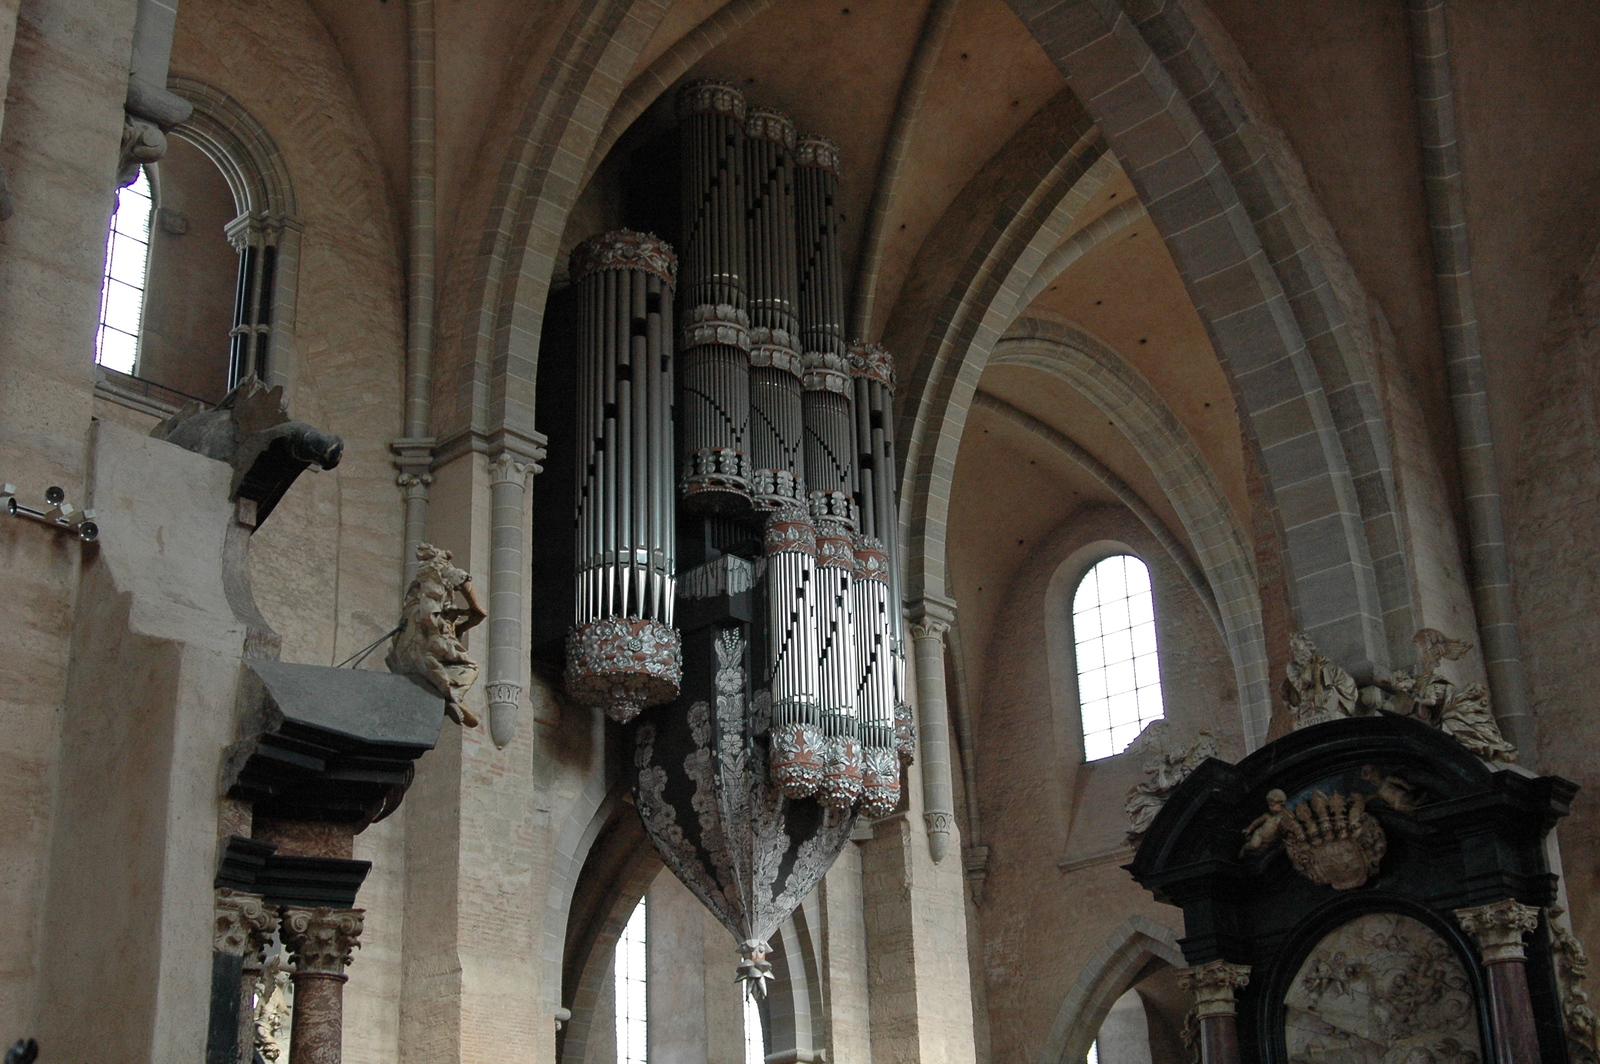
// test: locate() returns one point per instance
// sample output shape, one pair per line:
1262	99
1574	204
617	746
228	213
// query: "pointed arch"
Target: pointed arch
1128	955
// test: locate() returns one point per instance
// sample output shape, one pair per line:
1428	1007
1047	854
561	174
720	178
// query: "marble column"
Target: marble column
244	923
319	942
1213	985
930	620
1498	929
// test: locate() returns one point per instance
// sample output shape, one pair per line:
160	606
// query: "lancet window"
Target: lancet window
116	343
632	967
1119	668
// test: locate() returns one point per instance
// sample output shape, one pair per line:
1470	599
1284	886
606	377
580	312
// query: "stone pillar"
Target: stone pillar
508	486
243	926
1213	985
1498	929
930	620
320	942
413	481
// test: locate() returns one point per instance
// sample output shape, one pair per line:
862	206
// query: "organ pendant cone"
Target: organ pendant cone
780	724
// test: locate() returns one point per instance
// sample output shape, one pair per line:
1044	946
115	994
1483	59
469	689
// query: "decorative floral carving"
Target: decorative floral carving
243	924
873	362
624	664
1498	928
714	324
1213	985
716	469
799	758
818	151
1382	989
623	249
1165	768
274	997
842	781
1332	839
880	782
1393	791
321	940
1572	970
905	733
431	620
711	95
767	123
826	371
1315	689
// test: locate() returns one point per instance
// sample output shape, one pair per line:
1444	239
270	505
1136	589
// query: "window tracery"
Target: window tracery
1118	665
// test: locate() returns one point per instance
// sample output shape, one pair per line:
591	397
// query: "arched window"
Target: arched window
632	968
755	1038
1119	671
116	343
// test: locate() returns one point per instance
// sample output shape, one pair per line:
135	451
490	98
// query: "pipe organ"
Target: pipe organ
785	672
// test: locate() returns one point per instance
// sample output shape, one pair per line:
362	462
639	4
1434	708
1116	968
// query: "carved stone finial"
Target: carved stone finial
1166	766
243	924
1213	985
429	643
1498	928
1316	689
321	940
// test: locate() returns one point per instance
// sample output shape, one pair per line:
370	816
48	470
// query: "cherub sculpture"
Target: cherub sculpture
1316	689
431	622
1268	828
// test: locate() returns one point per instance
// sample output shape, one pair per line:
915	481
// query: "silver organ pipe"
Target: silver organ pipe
623	652
838	668
797	749
872	378
875	694
776	419
828	398
714	347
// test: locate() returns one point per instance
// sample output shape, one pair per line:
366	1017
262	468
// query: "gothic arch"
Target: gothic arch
1266	275
1128	955
1104	378
794	998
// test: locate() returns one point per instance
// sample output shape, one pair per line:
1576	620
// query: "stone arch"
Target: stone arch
794	998
1264	269
1127	956
613	862
269	213
1223	550
1030	195
486	384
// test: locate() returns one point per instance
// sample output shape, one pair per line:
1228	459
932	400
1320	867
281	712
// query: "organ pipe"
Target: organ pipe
838	672
776	418
624	653
828	399
797	751
715	345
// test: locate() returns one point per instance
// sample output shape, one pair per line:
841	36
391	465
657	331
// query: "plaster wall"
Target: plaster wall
1054	825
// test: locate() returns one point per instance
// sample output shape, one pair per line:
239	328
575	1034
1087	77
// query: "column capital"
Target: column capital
511	468
243	924
1213	985
1498	928
321	940
930	616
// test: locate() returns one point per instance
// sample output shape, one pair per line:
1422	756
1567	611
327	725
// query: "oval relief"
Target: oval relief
1382	989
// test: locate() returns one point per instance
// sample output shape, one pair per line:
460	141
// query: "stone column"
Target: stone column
320	942
508	485
1213	985
413	482
1498	929
930	620
243	926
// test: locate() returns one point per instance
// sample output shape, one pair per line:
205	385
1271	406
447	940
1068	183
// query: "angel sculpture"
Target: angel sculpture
1423	692
429	643
1468	720
1265	830
1393	791
1316	689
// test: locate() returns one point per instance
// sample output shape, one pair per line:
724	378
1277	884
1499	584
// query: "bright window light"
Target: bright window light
116	344
633	1023
1094	1053
755	1039
1119	672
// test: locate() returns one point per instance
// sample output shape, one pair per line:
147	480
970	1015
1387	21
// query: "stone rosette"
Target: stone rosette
624	664
623	249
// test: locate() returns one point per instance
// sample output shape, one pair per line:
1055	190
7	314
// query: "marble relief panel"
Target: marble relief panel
1382	989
